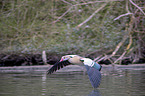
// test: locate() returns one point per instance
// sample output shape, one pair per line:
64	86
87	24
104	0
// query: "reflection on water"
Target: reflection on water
95	93
43	92
115	82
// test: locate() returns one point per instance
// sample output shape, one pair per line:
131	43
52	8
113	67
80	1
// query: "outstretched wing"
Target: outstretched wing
94	76
57	66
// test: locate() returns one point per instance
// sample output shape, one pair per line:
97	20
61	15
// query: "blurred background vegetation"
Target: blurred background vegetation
114	29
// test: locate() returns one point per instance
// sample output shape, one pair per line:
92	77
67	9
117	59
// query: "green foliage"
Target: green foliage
27	26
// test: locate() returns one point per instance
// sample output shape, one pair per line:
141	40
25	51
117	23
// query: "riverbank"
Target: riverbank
69	68
32	59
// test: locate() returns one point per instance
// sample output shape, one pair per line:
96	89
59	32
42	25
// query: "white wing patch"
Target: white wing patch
88	62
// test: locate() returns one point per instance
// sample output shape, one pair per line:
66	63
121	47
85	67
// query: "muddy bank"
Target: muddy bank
26	59
36	59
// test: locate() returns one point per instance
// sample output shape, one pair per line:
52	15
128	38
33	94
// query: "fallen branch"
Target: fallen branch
120	58
130	42
92	15
126	51
122	16
97	58
62	15
44	57
66	2
7	56
102	58
78	5
125	37
96	2
137	6
119	45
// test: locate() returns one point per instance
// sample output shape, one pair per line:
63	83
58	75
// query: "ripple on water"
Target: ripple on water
115	82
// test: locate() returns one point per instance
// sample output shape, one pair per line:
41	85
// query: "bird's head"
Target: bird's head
66	57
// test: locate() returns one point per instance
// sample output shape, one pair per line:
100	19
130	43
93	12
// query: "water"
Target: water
115	82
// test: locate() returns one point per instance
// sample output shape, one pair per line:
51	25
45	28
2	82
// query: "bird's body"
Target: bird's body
74	59
93	69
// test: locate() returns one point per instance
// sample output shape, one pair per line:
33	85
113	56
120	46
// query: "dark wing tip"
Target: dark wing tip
57	66
94	76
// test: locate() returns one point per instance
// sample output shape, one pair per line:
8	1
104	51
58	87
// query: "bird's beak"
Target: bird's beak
61	60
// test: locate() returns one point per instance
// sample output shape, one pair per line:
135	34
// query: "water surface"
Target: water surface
115	82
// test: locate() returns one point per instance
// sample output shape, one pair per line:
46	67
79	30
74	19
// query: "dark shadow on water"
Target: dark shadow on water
95	92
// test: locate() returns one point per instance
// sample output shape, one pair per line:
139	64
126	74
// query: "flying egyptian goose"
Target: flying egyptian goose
93	69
